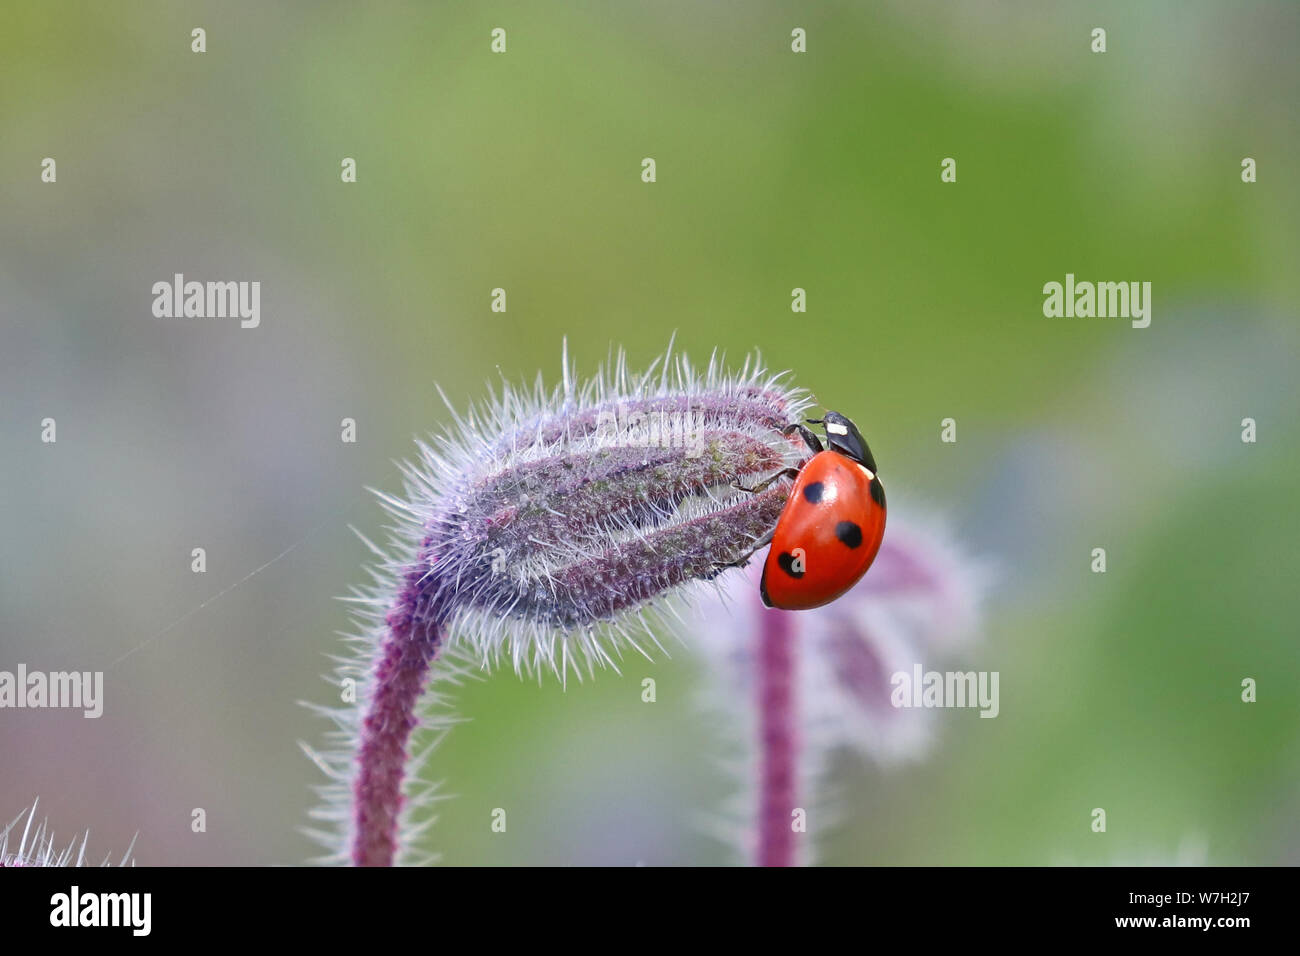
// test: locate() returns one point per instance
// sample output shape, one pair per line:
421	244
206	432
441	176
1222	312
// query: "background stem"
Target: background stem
400	678
778	764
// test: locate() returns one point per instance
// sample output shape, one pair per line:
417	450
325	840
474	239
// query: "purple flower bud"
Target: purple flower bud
548	528
542	523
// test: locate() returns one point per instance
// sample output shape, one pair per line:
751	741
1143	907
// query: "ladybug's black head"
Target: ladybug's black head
843	436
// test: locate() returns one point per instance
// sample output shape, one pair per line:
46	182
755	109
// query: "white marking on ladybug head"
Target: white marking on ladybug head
835	428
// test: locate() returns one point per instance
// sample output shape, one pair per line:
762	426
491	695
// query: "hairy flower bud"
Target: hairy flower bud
543	521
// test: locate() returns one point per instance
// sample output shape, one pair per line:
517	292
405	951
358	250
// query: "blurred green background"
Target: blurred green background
775	170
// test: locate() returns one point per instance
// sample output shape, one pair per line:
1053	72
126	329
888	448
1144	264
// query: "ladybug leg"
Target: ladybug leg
811	440
743	560
768	482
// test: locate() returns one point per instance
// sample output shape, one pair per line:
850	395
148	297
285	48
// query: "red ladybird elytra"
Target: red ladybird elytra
832	524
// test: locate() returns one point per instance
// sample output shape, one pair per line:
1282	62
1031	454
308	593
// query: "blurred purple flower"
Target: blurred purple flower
919	603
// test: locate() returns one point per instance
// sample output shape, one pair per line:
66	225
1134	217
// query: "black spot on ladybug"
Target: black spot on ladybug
786	560
762	590
813	492
877	492
849	533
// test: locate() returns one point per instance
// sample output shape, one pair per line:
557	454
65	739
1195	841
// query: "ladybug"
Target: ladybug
832	524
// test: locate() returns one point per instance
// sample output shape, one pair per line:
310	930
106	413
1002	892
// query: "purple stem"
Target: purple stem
778	764
412	642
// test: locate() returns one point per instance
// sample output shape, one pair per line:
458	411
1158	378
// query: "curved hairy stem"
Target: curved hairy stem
400	676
